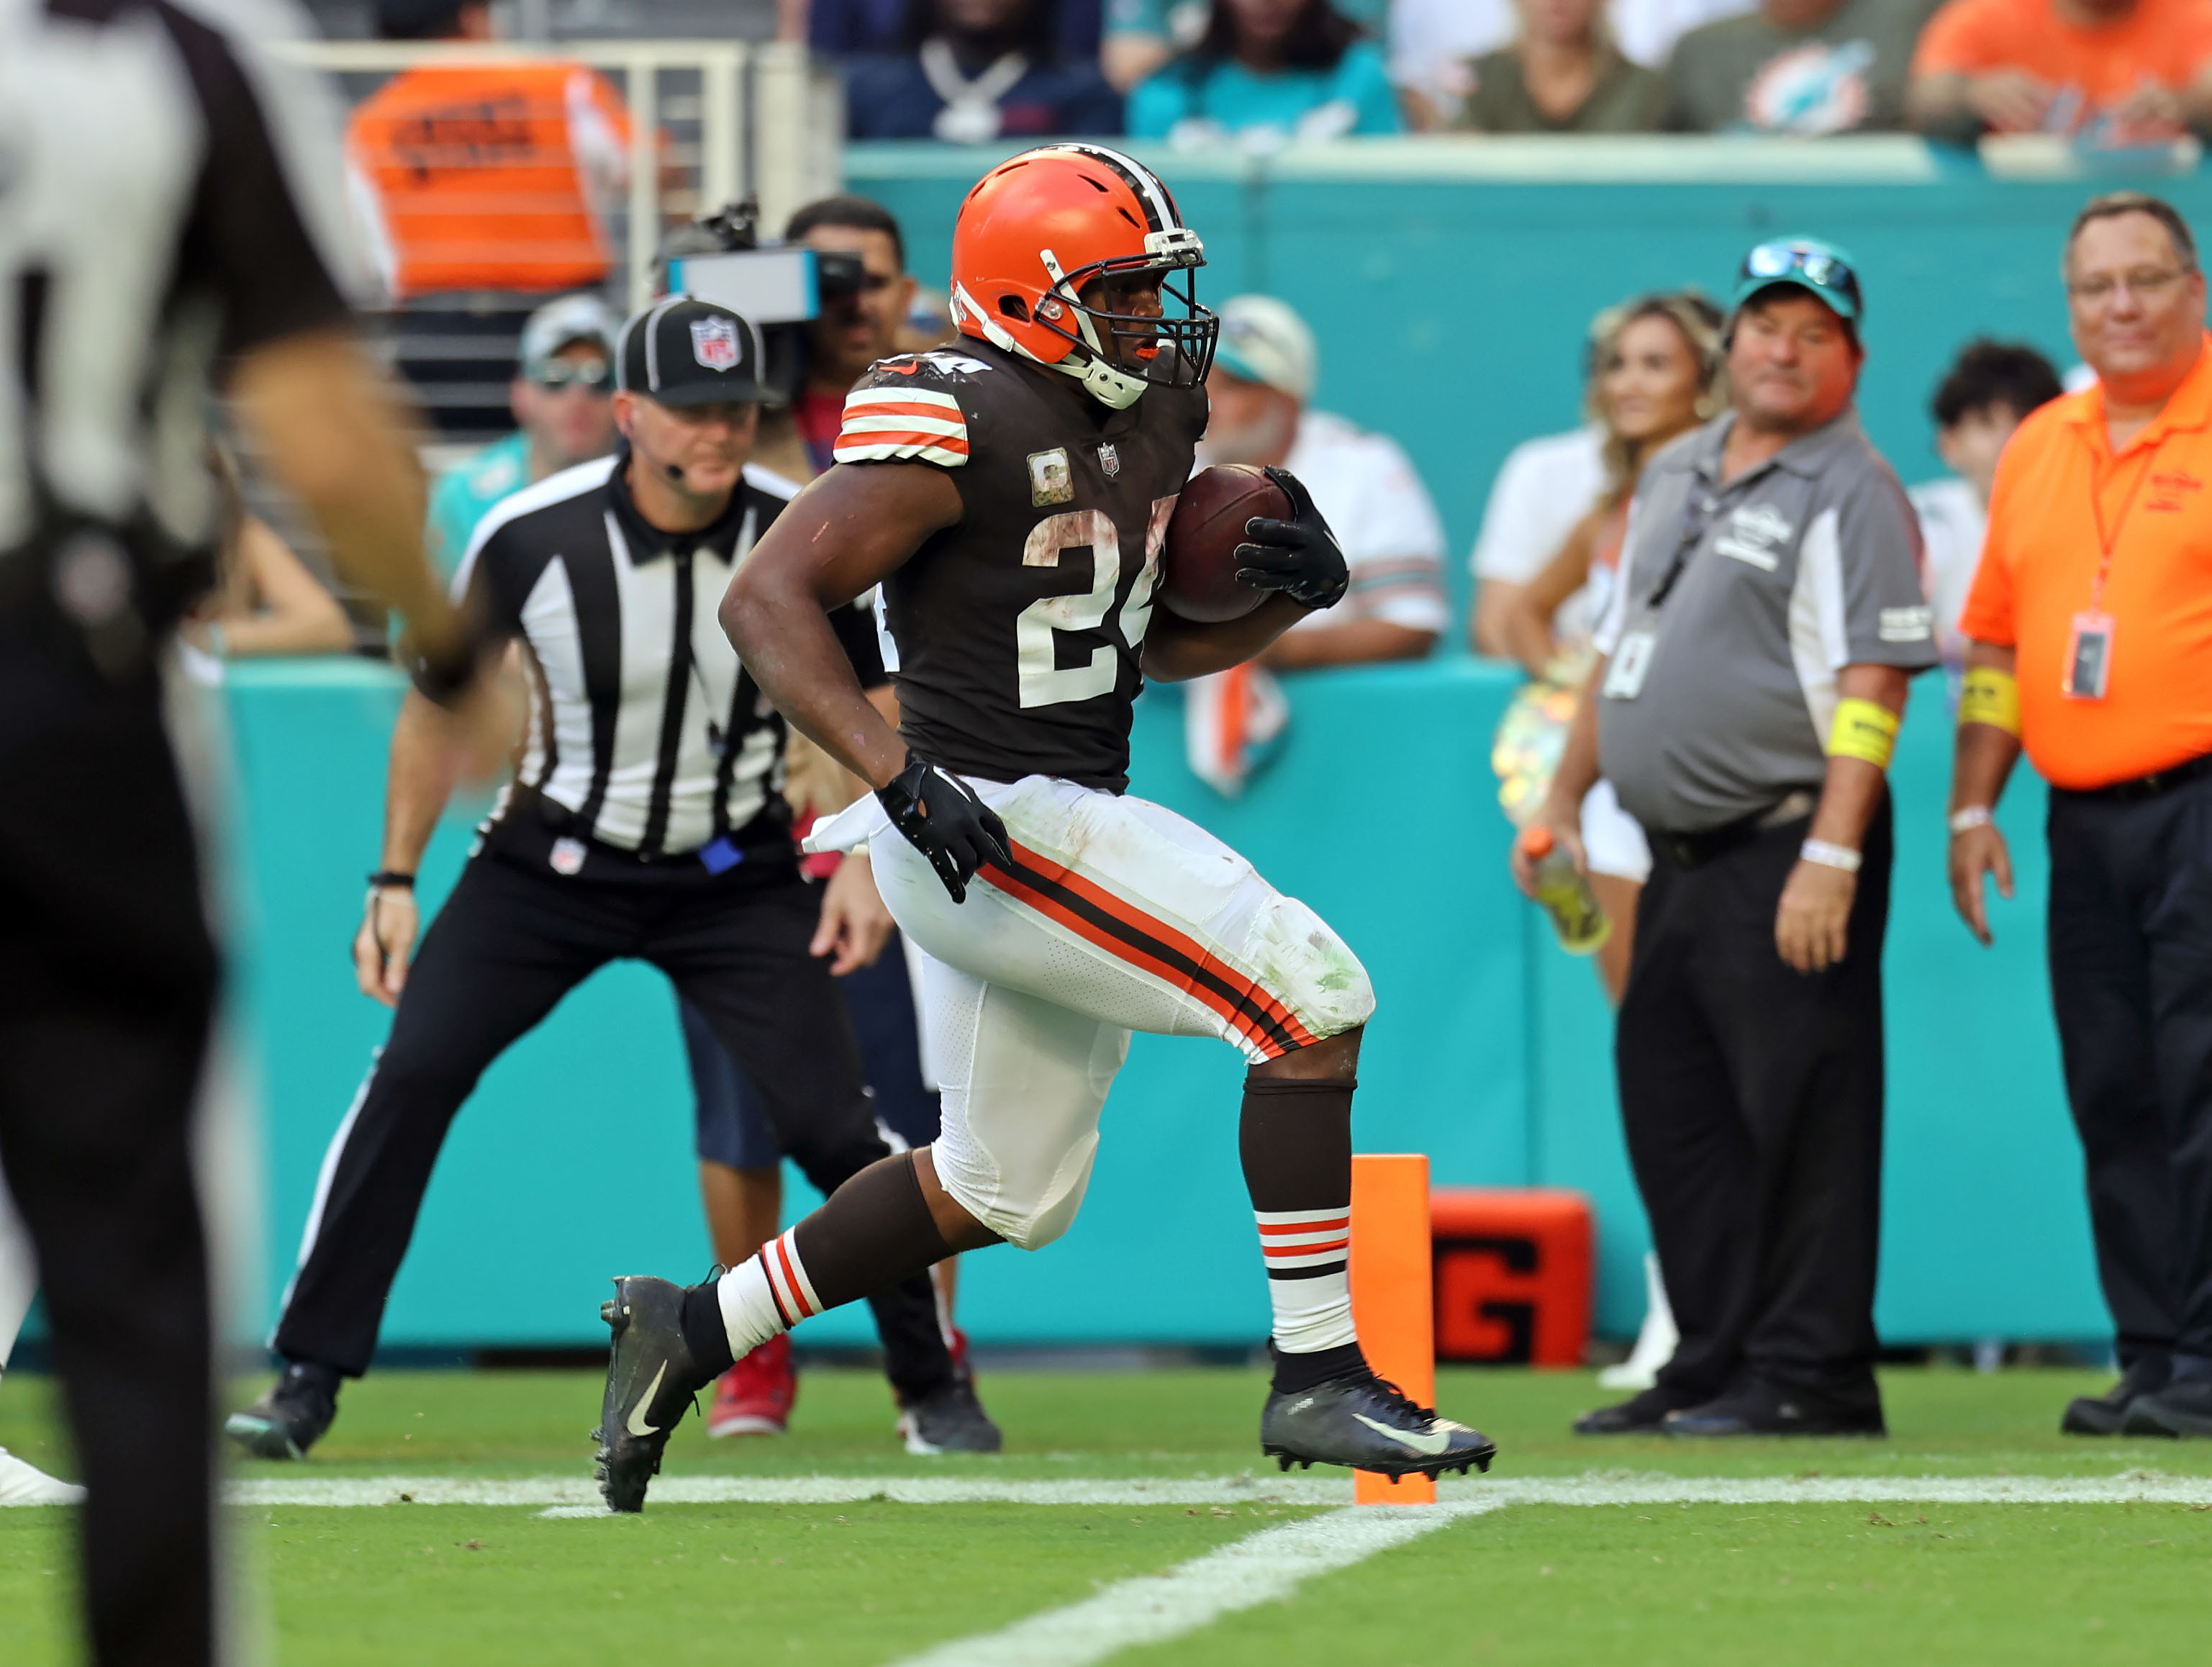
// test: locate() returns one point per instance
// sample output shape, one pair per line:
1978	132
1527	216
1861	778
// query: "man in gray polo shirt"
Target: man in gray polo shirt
1767	618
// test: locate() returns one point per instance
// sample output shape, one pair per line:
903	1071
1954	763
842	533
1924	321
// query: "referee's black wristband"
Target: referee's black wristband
391	880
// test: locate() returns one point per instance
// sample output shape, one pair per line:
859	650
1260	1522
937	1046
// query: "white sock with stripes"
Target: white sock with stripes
766	1295
1309	1277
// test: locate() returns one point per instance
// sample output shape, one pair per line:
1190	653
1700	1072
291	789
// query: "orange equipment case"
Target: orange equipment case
1513	1275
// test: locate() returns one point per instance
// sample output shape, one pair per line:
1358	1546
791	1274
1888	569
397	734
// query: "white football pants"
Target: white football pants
19	1273
1117	915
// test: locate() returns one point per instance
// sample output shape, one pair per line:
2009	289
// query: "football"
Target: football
1199	581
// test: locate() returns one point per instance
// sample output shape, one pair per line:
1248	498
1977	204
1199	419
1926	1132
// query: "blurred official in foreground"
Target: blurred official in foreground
2090	641
167	199
1755	659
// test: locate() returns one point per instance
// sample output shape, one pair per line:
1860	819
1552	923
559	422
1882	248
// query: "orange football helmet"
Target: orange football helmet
1039	226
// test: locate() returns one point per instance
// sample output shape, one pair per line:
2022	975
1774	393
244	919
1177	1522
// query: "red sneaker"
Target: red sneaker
754	1397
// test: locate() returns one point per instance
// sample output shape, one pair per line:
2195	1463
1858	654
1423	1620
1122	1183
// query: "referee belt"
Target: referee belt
1688	850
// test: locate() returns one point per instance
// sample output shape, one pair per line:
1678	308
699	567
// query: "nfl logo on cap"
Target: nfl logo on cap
714	342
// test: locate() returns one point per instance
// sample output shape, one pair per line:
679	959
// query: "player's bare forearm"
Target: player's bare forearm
1354	642
843	535
1983	755
418	781
1176	650
330	425
1853	788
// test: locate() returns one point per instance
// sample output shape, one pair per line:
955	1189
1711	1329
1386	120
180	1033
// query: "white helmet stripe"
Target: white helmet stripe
1159	207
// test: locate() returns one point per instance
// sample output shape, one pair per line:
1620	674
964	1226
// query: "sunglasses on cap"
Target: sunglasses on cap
591	374
1818	268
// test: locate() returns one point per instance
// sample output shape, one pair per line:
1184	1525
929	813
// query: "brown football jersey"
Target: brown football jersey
1015	632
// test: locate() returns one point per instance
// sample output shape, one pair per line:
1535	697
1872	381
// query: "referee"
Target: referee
2090	631
644	822
140	260
1767	616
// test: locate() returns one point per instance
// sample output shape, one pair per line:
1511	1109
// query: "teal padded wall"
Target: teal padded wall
1490	1050
1449	284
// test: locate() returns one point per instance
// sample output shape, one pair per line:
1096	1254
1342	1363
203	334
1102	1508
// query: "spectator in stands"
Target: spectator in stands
2115	72
563	396
1562	75
1433	44
975	72
485	176
1141	35
1800	67
1544	487
1989	388
1268	71
848	28
265	601
1261	385
1660	374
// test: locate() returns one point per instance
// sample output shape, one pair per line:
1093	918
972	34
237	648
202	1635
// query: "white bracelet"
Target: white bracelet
1830	855
1967	817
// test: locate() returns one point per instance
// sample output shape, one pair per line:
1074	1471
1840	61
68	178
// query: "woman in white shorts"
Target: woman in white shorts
1656	373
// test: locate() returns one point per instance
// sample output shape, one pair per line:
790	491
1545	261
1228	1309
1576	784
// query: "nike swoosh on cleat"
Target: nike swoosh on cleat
1430	1444
637	1425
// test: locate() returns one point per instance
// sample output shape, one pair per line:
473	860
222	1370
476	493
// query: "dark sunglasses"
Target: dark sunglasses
593	374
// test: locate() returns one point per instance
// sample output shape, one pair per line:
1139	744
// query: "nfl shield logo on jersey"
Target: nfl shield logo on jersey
1109	459
714	342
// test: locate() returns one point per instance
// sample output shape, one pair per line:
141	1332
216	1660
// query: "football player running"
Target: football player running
1012	495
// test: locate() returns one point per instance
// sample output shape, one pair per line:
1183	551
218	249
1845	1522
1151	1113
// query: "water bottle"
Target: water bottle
1565	893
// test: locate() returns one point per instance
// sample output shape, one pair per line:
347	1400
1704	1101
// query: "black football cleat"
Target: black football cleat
1366	1422
651	1380
291	1418
950	1420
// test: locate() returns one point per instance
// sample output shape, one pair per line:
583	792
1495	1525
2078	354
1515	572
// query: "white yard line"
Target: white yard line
566	1494
1154	1608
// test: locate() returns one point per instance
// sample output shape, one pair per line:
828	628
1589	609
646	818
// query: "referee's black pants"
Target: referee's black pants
511	941
1753	1098
108	985
2129	932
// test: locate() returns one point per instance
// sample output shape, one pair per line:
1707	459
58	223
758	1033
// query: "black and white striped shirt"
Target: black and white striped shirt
645	733
168	196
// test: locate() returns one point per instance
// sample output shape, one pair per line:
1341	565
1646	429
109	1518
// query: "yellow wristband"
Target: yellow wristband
1990	696
1864	730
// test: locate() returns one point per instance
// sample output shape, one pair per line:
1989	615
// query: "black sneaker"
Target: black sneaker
1641	1415
1366	1422
1763	1409
2107	1414
651	1379
2183	1407
292	1417
950	1420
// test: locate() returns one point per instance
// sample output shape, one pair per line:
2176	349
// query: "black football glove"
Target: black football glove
1298	557
942	818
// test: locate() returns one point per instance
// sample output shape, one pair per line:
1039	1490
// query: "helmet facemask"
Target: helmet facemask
1175	350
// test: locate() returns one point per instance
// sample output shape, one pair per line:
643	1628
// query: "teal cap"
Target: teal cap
1822	269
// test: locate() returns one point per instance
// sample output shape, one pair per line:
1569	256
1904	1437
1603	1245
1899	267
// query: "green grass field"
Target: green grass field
1598	1557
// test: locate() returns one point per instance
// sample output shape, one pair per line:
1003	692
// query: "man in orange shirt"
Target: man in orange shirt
2115	72
485	176
2090	623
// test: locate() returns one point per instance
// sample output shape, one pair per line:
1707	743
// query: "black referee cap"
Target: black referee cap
685	352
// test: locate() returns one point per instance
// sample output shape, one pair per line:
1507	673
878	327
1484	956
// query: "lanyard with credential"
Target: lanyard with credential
1632	656
2089	645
